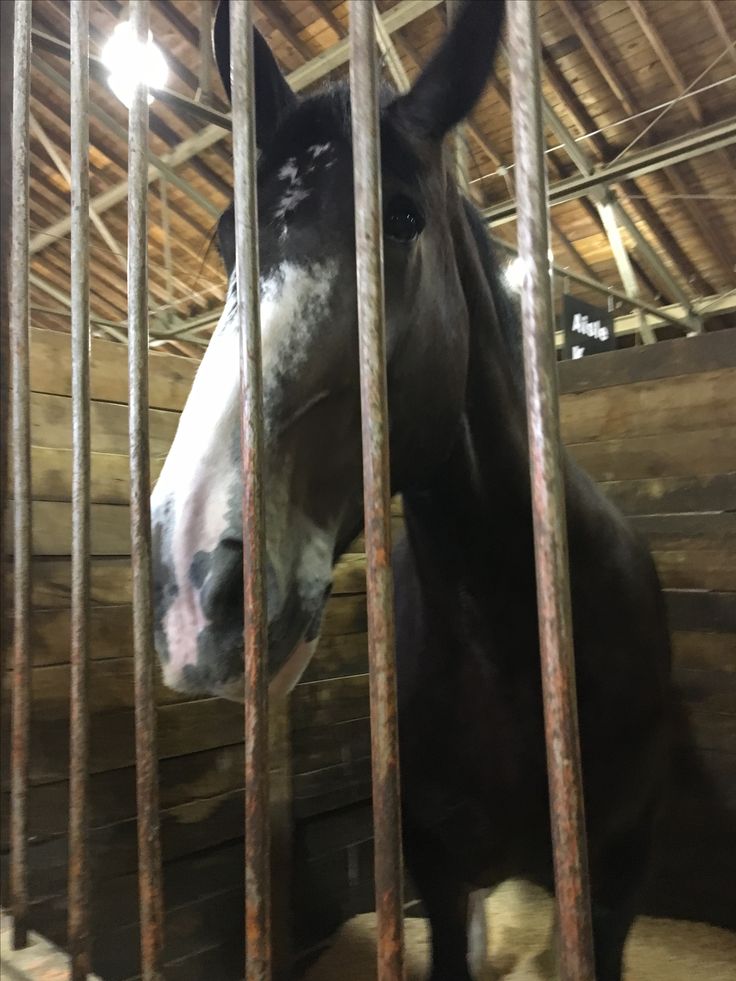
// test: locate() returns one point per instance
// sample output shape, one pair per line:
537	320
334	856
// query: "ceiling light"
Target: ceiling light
514	273
132	63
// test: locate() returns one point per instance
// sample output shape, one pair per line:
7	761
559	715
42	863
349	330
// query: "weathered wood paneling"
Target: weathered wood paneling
656	426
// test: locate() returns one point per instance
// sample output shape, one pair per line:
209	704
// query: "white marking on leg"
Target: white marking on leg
479	963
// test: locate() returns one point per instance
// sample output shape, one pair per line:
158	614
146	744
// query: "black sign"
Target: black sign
588	329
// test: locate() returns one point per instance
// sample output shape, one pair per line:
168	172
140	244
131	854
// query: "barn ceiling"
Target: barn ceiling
625	82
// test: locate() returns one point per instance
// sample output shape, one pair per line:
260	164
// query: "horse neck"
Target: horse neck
477	507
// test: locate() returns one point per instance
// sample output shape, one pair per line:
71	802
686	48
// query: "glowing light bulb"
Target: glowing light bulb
132	63
514	273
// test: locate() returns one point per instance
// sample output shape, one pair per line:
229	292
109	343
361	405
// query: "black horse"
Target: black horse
475	797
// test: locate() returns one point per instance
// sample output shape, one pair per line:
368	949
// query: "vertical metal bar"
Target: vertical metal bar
255	635
21	434
78	911
7	17
376	484
548	504
205	51
149	848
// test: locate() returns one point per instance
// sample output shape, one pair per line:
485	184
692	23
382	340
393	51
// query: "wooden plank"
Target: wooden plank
696	610
705	650
186	727
111	688
697	568
52	528
191	726
200	775
51	471
316	747
701	453
170	377
111	633
111	584
667	405
669	495
683	356
51	425
322	791
338	656
111	629
328	702
115	903
110	580
714	691
686	531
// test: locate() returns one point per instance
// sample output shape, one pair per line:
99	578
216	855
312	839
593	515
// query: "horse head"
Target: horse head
312	444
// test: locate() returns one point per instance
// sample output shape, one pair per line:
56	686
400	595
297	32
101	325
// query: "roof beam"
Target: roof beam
638	202
649	29
628	103
652	35
277	16
707	306
325	12
717	21
115	247
398	16
65	300
567	140
608	213
634	165
117	130
612	214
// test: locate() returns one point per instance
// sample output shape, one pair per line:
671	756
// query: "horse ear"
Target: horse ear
274	98
455	76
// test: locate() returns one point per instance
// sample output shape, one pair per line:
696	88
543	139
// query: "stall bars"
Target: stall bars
575	951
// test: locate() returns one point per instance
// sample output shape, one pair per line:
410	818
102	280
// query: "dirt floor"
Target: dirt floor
518	924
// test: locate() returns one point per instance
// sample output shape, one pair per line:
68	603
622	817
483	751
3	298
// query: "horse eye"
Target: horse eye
402	222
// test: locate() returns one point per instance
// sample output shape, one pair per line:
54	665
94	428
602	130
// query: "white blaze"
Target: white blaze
201	475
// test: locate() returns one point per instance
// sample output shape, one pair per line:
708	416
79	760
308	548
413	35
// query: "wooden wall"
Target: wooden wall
656	426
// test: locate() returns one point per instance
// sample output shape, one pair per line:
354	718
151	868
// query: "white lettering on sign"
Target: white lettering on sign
589	328
577	351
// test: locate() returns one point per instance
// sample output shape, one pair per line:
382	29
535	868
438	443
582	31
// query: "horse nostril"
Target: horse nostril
222	590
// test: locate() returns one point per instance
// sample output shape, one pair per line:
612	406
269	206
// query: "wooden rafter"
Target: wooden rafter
650	31
326	13
629	105
277	16
717	21
603	150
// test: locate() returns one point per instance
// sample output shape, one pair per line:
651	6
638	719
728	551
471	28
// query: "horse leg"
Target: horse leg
616	884
445	901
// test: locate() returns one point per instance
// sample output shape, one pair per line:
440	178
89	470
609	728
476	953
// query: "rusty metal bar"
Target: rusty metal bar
205	52
6	196
376	484
149	846
255	633
548	504
21	436
78	909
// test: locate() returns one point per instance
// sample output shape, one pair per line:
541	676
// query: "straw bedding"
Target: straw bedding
519	922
